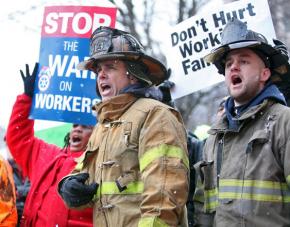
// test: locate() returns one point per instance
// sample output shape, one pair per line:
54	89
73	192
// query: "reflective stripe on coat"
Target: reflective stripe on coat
252	187
138	156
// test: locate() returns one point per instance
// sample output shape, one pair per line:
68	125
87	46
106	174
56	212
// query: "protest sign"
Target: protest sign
62	92
190	40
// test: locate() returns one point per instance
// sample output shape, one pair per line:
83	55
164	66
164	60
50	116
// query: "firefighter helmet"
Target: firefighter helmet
109	43
236	35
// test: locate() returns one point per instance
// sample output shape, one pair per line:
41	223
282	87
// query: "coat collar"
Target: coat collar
113	108
222	123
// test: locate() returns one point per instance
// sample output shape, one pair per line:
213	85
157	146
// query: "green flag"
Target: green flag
54	135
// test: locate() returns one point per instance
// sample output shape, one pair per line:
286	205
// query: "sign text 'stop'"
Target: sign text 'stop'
75	21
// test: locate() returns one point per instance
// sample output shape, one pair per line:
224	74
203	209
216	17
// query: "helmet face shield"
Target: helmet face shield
107	43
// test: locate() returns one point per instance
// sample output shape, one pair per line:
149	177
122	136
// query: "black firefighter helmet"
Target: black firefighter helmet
108	43
236	35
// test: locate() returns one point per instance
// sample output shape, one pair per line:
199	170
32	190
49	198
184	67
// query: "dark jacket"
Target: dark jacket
195	147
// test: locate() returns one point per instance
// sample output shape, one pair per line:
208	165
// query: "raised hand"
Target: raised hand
29	79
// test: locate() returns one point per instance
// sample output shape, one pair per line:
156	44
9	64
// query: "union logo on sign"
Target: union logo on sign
44	78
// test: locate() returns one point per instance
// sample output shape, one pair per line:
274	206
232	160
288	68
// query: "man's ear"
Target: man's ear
133	80
265	75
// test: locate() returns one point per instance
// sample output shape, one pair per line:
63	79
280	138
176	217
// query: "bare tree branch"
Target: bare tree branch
181	7
192	9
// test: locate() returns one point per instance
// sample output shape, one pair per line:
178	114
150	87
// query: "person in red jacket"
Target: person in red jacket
45	164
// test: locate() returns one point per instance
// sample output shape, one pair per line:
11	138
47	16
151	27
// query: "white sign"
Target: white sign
195	37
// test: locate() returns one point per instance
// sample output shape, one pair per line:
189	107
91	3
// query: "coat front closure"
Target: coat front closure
137	154
246	169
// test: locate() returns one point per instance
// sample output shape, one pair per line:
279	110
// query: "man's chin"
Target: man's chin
236	94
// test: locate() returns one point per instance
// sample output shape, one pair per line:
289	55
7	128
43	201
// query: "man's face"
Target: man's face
245	75
79	137
112	78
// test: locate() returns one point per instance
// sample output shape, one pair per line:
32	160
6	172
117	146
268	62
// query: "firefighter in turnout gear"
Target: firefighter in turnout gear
135	168
246	171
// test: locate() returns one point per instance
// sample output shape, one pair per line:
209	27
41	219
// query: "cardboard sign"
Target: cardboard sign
189	41
62	92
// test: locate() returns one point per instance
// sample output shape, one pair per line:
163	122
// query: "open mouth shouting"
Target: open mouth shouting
105	89
236	80
75	140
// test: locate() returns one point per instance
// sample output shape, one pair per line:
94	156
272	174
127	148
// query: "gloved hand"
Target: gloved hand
165	90
281	47
75	192
284	84
29	80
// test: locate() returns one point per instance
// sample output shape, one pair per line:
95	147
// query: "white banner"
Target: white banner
190	40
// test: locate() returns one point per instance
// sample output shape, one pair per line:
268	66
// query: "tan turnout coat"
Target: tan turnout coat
138	156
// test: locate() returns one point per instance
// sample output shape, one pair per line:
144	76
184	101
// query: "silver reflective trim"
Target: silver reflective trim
243	44
255	190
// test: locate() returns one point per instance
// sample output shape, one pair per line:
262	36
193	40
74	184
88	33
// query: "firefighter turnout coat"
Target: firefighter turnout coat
246	172
138	156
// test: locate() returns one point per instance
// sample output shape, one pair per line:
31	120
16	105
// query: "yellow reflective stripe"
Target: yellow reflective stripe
199	192
210	193
199	198
267	191
152	222
253	183
110	188
288	180
160	151
210	199
210	206
257	197
79	166
199	195
80	161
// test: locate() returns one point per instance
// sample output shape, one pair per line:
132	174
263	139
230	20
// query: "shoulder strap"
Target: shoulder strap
219	158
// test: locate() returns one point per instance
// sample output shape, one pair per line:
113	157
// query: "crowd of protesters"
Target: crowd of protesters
139	166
